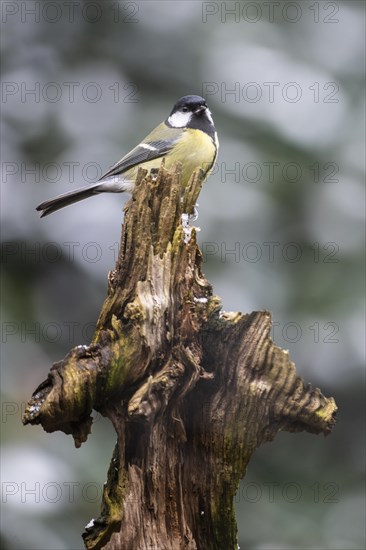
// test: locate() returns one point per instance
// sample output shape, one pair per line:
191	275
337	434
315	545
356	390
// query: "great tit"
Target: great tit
188	136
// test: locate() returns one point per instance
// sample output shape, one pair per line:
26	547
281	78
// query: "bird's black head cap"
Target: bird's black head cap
191	111
189	103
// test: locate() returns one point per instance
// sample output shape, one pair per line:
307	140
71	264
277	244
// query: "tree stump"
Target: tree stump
191	390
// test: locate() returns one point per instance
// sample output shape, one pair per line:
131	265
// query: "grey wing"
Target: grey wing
141	153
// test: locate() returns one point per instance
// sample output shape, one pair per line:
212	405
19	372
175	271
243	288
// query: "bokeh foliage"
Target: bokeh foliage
281	219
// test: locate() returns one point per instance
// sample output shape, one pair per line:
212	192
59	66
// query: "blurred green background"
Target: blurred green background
282	228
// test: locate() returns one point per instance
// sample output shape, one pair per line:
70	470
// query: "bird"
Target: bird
188	135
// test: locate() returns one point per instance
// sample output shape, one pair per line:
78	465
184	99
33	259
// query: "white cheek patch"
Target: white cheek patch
209	115
179	119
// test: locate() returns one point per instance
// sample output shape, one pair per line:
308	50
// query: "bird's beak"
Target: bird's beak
200	110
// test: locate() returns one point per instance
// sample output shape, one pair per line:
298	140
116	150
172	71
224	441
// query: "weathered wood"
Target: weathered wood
191	390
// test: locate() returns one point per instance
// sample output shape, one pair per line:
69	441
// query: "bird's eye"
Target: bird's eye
185	109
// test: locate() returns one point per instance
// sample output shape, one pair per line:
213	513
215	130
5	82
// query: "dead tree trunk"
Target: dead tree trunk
191	390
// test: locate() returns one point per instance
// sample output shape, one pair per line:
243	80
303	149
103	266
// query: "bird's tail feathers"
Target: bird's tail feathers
107	185
52	205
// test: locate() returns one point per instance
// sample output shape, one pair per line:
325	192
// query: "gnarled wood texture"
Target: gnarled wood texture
191	390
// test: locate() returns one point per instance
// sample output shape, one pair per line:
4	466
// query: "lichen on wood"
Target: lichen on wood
191	390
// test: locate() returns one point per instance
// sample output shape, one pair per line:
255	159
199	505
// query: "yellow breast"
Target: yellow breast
195	149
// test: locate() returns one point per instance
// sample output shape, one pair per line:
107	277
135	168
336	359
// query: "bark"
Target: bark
191	390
